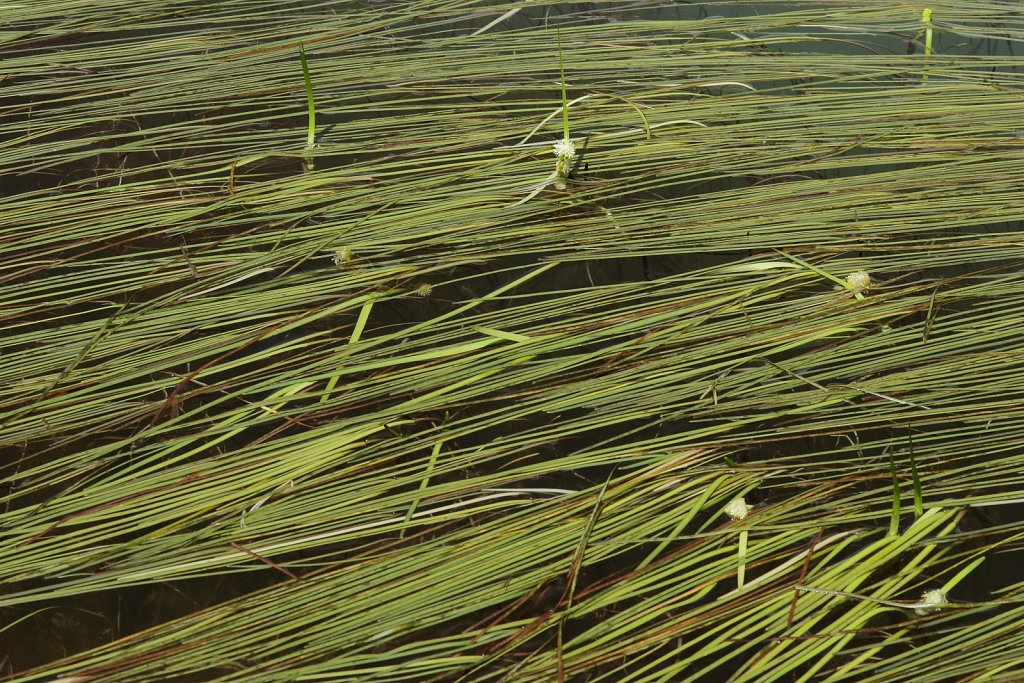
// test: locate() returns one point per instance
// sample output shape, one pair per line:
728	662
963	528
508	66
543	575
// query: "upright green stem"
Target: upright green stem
926	17
894	516
310	108
565	99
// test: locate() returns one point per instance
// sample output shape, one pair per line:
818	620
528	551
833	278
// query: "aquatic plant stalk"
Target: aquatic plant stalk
310	108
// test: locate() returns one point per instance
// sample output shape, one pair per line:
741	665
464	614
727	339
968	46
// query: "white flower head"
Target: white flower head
423	290
859	281
934	600
565	149
737	508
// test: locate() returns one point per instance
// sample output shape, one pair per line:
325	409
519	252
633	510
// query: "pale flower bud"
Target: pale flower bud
737	509
934	600
859	281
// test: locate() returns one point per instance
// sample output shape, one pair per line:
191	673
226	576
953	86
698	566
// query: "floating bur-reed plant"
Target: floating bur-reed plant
565	150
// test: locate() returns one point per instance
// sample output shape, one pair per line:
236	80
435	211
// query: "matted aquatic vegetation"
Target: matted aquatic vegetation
313	370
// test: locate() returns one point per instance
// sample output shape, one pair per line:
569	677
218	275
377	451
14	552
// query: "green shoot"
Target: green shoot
565	99
737	510
565	151
926	17
894	518
310	106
